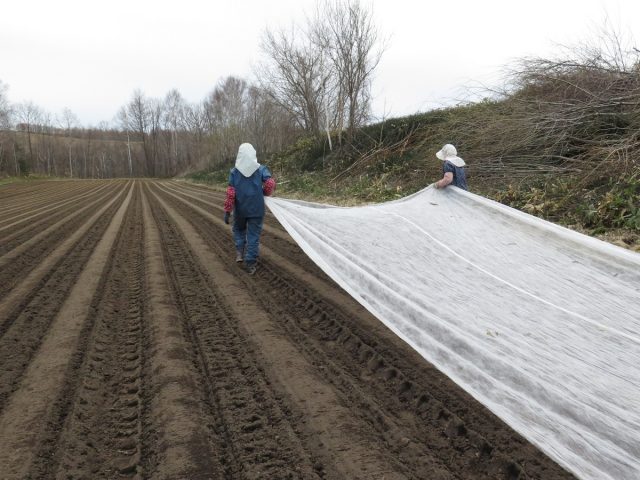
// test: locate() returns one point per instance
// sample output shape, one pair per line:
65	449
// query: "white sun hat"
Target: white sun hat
448	153
246	161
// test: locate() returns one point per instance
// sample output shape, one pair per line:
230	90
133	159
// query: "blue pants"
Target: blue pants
246	235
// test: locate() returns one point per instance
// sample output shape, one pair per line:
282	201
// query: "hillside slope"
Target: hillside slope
396	157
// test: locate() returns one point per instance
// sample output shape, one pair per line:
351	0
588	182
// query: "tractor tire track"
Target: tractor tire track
35	216
96	431
179	441
23	253
29	283
347	351
24	329
343	443
32	203
24	419
248	412
133	346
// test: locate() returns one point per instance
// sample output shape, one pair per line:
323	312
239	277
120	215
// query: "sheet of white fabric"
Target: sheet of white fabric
539	323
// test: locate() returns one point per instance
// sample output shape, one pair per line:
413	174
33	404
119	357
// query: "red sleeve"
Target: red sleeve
229	202
269	186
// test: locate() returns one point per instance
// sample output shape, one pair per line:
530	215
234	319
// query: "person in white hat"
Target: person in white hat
452	168
249	182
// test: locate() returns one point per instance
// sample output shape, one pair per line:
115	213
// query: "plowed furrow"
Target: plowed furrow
101	420
132	345
30	284
277	245
24	253
12	190
34	216
6	253
245	405
26	324
363	369
380	388
180	440
333	324
214	197
15	234
342	444
33	414
391	357
271	226
39	200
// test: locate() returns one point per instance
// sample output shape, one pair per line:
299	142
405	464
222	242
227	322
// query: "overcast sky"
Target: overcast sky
89	56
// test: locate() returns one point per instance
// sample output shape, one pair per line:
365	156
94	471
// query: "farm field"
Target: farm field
133	346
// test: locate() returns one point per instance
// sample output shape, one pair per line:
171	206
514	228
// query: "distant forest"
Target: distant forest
314	79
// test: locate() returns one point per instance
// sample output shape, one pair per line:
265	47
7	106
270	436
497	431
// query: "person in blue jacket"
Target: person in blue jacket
452	168
249	182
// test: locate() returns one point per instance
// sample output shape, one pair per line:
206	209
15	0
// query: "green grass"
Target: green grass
213	177
28	178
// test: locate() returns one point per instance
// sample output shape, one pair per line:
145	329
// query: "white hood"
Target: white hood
246	161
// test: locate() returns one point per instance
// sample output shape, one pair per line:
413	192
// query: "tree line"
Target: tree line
314	78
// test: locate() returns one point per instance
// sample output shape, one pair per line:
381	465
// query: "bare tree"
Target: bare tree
267	124
295	75
69	121
5	120
344	30
125	124
225	111
5	109
154	109
138	119
86	150
195	120
47	140
173	123
321	73
28	115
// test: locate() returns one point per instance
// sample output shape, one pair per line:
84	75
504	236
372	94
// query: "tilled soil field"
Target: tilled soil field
133	346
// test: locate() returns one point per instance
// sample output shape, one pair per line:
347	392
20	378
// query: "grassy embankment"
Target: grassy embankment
574	183
27	178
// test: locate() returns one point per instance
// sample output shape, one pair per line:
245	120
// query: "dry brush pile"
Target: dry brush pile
561	141
578	123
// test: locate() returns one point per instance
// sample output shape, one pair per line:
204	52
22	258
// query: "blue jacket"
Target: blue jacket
249	202
459	177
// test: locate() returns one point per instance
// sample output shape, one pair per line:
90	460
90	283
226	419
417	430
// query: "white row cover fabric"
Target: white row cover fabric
539	323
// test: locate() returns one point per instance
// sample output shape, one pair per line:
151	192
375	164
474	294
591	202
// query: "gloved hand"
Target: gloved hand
227	215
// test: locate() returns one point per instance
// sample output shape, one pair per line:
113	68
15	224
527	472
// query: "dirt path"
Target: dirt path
133	346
